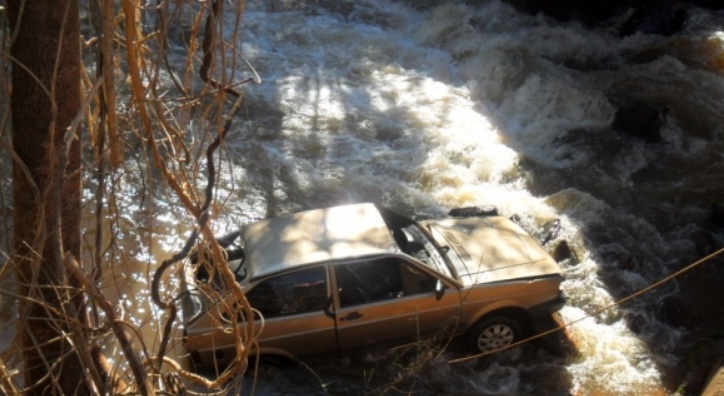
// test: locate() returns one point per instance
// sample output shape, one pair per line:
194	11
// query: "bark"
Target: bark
45	98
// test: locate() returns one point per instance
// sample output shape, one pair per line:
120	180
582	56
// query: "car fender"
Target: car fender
511	305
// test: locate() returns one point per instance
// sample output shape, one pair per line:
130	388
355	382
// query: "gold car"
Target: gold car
353	276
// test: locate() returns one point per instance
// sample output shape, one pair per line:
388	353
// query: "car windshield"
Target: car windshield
417	244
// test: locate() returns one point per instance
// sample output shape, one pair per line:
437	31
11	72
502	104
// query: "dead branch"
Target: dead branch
138	95
218	254
142	380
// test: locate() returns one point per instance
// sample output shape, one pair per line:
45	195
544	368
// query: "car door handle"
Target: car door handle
352	316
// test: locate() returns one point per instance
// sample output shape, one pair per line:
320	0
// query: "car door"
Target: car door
382	300
293	305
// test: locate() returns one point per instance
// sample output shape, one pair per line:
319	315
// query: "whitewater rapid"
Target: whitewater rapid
427	109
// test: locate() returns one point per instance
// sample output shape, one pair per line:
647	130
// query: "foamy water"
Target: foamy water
467	105
475	105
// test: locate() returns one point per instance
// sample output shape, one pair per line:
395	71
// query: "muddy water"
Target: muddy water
459	105
464	105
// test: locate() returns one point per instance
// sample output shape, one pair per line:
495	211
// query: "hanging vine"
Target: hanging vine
140	111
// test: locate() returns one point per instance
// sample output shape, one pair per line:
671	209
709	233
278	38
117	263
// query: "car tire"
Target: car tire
494	333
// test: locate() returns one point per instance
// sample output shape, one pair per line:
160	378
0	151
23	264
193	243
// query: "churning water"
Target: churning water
457	105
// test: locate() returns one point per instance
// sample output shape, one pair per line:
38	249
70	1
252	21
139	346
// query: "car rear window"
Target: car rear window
292	293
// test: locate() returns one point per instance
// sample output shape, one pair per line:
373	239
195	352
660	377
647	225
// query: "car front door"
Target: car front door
389	299
293	305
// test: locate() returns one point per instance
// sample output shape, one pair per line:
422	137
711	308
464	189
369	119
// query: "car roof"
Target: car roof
313	236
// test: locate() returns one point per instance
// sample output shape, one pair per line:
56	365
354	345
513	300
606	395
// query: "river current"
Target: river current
457	105
425	109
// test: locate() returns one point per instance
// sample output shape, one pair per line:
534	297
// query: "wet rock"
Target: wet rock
551	230
474	211
662	19
641	120
563	252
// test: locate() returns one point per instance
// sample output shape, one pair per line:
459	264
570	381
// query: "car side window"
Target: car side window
368	281
291	294
415	280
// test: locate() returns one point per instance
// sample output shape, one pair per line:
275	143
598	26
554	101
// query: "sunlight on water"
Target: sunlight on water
469	105
437	113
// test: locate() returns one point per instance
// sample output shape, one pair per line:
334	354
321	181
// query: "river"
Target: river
425	109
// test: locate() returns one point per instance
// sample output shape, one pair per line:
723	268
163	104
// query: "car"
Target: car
358	275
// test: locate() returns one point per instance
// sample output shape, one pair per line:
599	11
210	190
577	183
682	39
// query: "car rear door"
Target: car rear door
390	299
293	305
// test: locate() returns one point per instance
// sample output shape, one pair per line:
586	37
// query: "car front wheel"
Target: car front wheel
494	333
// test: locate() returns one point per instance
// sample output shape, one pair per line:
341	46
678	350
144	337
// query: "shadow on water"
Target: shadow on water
643	221
653	221
652	218
327	160
280	160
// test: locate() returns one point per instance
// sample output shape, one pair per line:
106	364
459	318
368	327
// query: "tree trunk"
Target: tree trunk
45	99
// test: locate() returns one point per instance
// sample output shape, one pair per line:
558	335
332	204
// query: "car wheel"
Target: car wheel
494	333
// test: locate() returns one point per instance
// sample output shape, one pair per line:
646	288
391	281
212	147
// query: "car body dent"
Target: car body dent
491	249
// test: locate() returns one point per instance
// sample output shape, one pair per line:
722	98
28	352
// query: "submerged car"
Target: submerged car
353	276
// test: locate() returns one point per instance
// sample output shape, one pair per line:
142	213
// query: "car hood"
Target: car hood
491	249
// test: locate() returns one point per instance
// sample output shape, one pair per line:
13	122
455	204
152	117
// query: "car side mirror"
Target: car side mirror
439	290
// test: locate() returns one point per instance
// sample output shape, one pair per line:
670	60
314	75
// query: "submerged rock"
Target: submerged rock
474	211
550	231
563	252
641	120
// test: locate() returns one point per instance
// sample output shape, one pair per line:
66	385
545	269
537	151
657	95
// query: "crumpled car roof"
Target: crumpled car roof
314	236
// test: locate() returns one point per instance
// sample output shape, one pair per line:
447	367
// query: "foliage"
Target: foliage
153	126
